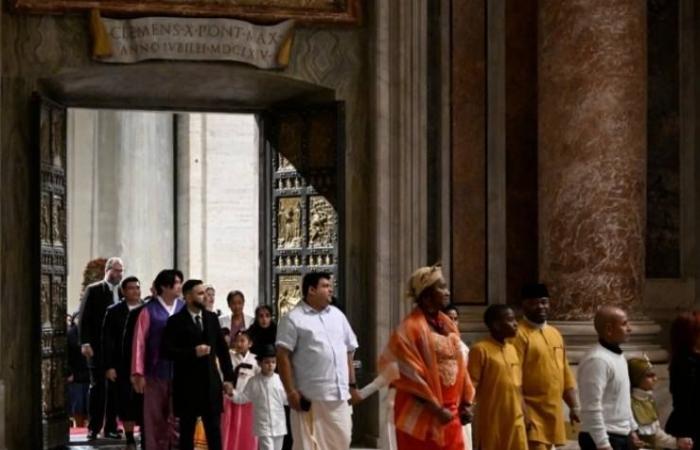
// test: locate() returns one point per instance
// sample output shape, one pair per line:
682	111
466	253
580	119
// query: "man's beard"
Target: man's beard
199	305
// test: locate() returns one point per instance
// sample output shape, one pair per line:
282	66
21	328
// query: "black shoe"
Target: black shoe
92	436
113	434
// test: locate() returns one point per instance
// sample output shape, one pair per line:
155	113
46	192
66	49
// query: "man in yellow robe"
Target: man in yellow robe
495	371
547	378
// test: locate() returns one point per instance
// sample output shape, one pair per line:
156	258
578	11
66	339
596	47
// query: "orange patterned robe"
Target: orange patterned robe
427	366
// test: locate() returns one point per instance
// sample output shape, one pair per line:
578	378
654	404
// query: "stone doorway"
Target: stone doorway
302	143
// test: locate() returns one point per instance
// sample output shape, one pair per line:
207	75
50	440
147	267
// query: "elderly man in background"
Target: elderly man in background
96	299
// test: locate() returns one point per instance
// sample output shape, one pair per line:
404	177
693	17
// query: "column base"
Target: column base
579	336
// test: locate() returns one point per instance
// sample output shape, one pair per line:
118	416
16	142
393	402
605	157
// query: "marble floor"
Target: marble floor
79	442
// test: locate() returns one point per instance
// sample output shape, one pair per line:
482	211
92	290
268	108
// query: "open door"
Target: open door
302	199
53	272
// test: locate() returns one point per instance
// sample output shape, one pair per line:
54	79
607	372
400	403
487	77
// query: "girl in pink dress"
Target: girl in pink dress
237	420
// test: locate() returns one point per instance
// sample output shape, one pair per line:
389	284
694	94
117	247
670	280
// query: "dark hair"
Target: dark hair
311	279
226	331
494	313
243	333
451	307
190	284
263	308
128	280
684	332
166	278
178	273
232	294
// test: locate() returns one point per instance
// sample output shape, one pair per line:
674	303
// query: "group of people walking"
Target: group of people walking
191	377
515	382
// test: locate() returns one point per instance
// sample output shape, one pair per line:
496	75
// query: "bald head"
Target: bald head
611	324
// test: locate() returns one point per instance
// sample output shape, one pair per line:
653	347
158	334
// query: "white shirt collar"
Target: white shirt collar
170	309
131	307
641	394
310	309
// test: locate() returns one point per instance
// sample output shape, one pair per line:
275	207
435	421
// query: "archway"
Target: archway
302	142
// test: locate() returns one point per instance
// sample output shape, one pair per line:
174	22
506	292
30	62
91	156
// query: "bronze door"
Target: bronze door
53	273
303	155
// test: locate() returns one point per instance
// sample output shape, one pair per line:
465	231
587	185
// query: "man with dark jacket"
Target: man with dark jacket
193	341
96	299
117	367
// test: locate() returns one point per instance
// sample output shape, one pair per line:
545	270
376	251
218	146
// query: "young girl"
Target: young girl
237	420
267	395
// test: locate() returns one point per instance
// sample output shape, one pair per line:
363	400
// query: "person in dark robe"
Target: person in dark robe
263	331
118	368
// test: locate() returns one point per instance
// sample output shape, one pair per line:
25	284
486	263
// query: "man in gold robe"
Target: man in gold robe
547	377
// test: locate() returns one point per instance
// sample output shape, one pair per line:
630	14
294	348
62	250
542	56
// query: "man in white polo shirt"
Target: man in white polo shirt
607	422
315	348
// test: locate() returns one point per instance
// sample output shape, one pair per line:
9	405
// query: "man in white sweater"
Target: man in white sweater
607	422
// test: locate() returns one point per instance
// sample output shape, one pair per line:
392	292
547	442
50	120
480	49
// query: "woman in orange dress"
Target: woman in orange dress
425	362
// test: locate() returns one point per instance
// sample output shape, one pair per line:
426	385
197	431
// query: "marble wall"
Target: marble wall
35	47
218	209
120	193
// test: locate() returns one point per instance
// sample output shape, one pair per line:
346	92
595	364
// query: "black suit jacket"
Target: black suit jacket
128	337
96	299
113	333
197	387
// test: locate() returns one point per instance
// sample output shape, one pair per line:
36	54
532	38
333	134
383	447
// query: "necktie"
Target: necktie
198	320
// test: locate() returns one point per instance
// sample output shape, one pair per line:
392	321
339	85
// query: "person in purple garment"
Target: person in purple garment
151	372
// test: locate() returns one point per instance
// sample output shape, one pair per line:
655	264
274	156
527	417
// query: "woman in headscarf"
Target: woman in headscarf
264	329
425	363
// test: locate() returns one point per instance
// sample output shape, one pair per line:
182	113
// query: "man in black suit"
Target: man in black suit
193	340
96	299
117	367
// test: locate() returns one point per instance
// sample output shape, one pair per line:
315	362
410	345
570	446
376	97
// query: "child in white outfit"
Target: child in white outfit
266	392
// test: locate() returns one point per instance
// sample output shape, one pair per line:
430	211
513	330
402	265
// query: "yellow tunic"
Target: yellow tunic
546	375
496	375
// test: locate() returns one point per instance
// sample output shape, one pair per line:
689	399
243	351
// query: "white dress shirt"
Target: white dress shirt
319	342
604	388
194	316
268	397
115	291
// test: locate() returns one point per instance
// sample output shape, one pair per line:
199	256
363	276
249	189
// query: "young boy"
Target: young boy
266	392
495	371
643	379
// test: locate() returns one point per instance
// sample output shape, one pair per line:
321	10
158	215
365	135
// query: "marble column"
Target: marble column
120	192
398	133
592	154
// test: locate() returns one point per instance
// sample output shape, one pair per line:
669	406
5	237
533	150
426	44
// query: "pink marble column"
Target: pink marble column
592	153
